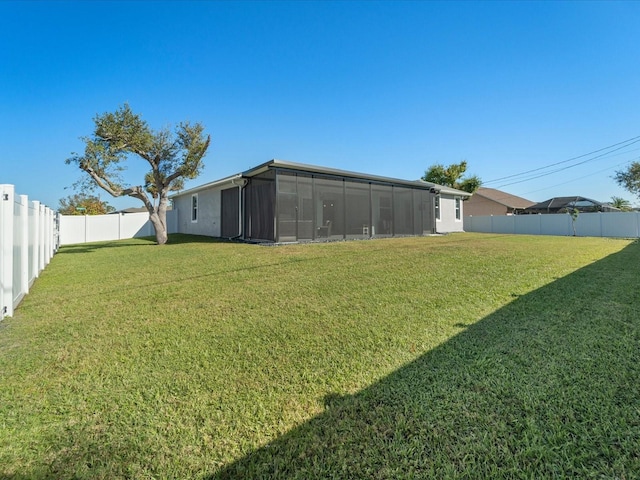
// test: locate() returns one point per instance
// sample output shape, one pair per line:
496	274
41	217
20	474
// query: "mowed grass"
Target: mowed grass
462	356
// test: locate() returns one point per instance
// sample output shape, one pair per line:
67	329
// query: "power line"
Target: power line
567	167
625	143
508	196
584	176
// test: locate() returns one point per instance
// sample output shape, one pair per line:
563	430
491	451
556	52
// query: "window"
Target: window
194	207
437	204
458	208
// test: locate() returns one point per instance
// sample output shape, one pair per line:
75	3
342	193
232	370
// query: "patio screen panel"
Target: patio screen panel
305	207
402	211
358	209
426	213
330	208
310	206
287	207
382	209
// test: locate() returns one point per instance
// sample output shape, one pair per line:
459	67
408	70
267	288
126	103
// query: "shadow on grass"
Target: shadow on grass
174	239
546	387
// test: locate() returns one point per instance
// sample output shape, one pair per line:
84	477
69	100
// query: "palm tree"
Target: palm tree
621	204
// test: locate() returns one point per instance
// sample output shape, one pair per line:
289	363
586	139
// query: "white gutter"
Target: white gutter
216	183
240	183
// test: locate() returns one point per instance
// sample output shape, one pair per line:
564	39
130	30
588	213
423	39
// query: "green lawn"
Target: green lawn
461	356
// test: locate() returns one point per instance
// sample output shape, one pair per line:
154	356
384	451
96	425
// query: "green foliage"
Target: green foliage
172	157
83	204
575	213
629	179
368	359
621	204
452	176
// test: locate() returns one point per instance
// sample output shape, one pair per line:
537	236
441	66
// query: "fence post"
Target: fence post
48	239
24	247
41	230
35	236
6	250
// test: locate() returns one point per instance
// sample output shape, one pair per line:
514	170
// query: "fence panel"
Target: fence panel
135	225
528	225
27	243
621	224
506	223
588	225
559	225
607	224
76	229
101	228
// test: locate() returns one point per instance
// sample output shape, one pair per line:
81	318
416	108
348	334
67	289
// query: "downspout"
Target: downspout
435	192
241	183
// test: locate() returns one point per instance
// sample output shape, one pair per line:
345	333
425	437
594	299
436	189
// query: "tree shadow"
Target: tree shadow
174	239
545	387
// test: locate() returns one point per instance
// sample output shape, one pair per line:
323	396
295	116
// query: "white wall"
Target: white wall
608	224
98	228
448	222
28	240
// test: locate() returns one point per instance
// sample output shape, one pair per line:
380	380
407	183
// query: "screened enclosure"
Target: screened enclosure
285	205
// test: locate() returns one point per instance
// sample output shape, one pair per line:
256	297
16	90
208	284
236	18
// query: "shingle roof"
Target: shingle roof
504	198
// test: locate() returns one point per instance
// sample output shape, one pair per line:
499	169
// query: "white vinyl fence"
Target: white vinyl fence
28	240
116	226
607	224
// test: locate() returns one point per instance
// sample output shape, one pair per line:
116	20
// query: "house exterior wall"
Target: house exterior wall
283	203
478	205
448	222
209	213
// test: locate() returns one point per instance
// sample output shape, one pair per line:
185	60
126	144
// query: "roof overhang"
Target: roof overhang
314	169
233	180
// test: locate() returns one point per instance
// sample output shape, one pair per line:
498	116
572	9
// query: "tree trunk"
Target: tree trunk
159	221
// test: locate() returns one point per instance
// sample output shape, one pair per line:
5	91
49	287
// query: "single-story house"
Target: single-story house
282	201
489	201
566	204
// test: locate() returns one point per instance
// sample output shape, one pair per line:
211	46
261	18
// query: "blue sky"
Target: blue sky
386	88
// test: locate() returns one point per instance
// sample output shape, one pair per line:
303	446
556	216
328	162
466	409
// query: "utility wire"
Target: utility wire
585	176
567	167
626	143
510	196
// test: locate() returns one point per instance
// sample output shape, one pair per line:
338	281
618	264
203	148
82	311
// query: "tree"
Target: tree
172	158
575	213
451	176
83	204
629	179
621	204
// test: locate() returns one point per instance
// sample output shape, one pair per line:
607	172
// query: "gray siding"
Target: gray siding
209	208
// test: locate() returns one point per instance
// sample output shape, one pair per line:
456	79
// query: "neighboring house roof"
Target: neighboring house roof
301	167
503	198
580	203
